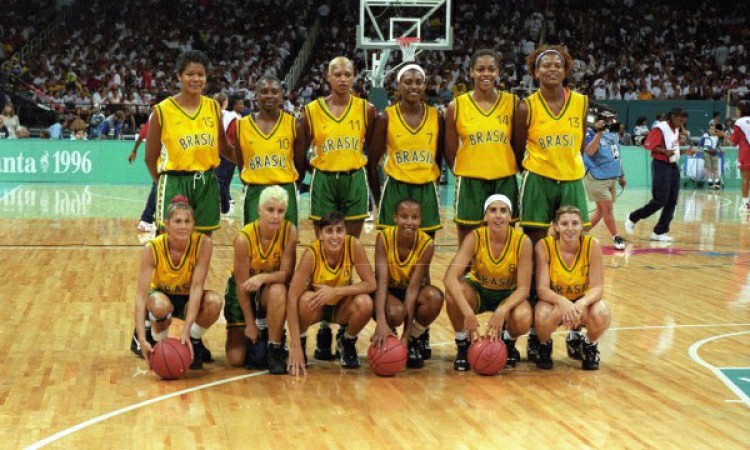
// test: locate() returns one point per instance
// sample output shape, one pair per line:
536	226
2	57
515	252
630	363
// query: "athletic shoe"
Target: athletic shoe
340	334
661	237
348	350
590	356
619	243
424	341
257	354
574	347
513	354
544	361
276	359
303	341
532	348
461	363
629	225
415	359
323	341
146	227
200	352
135	345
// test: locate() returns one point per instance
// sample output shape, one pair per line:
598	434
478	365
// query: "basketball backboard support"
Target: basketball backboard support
383	22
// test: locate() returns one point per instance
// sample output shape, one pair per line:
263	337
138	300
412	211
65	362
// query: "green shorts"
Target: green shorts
400	294
472	192
541	197
489	299
252	197
346	192
425	194
179	304
329	313
232	311
202	191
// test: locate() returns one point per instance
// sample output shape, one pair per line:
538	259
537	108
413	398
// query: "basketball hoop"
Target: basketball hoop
408	47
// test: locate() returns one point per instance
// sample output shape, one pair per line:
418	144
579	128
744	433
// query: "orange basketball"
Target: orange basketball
390	361
170	359
487	357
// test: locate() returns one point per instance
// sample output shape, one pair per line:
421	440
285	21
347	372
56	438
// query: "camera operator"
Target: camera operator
603	171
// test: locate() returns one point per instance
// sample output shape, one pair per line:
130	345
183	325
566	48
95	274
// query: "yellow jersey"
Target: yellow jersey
485	149
570	282
340	275
338	142
268	259
169	278
269	158
411	151
496	273
400	272
189	142
553	145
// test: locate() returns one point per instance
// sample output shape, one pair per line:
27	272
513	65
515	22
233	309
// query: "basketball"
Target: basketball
390	361
170	359
487	357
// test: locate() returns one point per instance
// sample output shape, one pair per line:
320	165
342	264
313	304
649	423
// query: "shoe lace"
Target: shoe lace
590	351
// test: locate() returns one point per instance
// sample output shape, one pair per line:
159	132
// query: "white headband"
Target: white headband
547	52
497	198
410	67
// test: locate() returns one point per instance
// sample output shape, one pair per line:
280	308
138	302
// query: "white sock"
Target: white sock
586	340
148	323
507	336
532	331
324	324
262	324
303	335
160	336
576	334
416	330
462	335
196	331
349	336
746	200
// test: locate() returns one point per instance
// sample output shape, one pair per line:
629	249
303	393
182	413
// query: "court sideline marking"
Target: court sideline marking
61	434
693	352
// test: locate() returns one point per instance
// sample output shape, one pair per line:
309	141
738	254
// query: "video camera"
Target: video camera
597	112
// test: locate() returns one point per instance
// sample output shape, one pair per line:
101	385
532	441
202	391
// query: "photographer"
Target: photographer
603	170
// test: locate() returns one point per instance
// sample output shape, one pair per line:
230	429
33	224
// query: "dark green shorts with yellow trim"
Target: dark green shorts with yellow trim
489	299
232	311
252	197
201	190
179	303
472	192
346	192
541	197
425	194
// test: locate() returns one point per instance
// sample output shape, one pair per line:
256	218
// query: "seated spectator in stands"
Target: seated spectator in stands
640	131
112	126
96	122
57	128
625	137
644	93
22	132
4	133
44	134
10	119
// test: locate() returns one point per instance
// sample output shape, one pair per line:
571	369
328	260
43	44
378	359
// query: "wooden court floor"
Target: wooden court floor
675	369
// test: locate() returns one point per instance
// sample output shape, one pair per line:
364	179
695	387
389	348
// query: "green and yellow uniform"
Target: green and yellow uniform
572	282
189	155
172	279
323	274
401	271
553	159
410	166
494	277
485	163
269	160
262	260
339	181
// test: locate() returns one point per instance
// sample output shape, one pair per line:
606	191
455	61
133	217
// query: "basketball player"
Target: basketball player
403	254
337	127
412	133
500	259
322	289
741	138
185	138
265	150
173	271
264	256
478	129
570	283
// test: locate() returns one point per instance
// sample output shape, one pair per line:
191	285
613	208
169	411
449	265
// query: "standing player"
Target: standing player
265	150
173	271
570	282
337	126
322	289
403	254
741	137
185	138
412	133
264	256
478	128
225	171
500	258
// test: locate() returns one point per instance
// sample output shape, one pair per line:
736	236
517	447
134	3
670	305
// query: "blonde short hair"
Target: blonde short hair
274	192
340	61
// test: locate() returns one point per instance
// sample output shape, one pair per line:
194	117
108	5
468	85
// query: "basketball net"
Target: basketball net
408	47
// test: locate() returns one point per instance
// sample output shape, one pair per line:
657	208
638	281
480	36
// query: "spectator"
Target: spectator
640	131
57	128
10	119
624	137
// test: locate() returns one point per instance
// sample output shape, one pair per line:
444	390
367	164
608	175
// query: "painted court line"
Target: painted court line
10	192
693	352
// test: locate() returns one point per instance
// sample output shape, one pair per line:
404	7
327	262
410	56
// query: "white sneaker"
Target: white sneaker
146	227
619	243
629	225
661	237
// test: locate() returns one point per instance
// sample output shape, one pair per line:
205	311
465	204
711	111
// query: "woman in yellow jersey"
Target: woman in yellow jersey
570	282
265	149
550	126
337	127
412	133
255	299
403	254
500	259
322	289
173	271
478	128
185	137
